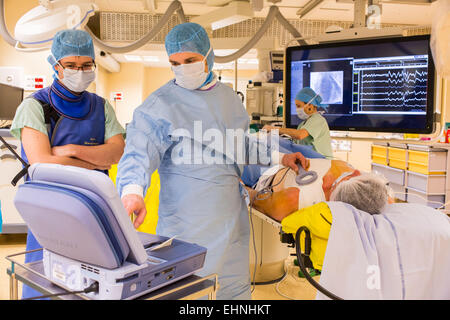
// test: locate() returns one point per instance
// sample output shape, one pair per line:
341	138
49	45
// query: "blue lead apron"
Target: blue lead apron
70	119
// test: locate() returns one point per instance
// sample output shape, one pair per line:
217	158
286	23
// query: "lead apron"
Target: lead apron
87	130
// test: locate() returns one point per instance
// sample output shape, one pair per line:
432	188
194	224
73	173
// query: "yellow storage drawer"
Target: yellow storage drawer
379	154
397	158
379	160
427	162
418	167
418	156
399	164
397	153
379	151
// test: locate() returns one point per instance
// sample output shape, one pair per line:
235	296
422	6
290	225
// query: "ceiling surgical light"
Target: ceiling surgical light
35	29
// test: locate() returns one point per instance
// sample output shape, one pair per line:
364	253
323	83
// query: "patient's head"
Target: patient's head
367	192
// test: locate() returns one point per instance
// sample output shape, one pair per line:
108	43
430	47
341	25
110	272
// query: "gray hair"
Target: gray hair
367	192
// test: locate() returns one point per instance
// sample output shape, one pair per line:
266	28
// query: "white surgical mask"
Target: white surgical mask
191	75
302	114
301	111
77	80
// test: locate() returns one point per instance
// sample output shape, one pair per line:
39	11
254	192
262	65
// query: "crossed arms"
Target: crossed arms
38	149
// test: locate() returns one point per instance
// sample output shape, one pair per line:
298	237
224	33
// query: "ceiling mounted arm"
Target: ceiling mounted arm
175	7
180	14
3	29
274	13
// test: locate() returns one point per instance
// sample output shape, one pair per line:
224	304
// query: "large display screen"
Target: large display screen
384	85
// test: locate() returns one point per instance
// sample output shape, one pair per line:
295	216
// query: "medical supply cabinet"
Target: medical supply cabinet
416	173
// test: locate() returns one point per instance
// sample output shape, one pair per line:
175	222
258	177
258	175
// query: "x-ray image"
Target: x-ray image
330	86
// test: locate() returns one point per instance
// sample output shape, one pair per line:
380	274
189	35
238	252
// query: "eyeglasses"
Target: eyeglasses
88	67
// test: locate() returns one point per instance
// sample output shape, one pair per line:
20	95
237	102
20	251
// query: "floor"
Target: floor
291	287
9	244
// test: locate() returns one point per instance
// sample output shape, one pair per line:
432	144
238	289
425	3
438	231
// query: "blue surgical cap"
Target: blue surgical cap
69	43
189	37
308	95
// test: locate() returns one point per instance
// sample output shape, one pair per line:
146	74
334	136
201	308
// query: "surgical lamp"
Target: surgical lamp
35	29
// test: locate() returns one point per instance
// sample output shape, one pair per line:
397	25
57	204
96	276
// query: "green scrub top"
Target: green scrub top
319	134
30	114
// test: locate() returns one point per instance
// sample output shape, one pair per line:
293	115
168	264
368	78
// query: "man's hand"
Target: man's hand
291	159
269	128
63	151
134	203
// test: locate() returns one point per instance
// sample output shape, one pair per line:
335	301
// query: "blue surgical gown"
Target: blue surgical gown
199	202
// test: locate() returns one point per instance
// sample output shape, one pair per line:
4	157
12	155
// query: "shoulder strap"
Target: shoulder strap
49	111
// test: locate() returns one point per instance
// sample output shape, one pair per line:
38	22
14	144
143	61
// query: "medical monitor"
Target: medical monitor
10	98
384	85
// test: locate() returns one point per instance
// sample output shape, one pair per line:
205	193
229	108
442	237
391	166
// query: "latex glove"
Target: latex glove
134	203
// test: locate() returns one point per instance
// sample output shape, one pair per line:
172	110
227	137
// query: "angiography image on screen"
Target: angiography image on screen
329	85
372	85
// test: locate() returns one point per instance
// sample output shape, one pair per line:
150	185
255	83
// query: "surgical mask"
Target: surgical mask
77	80
301	111
191	75
302	114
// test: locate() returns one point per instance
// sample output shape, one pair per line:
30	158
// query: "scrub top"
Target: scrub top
30	114
319	134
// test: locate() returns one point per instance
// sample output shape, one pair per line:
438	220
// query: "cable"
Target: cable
302	266
262	283
277	287
426	200
441	208
8	146
254	247
267	191
94	287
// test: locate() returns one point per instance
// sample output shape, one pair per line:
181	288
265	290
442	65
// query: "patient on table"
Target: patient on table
288	197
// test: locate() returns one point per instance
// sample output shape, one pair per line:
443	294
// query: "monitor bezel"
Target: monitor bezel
429	127
21	90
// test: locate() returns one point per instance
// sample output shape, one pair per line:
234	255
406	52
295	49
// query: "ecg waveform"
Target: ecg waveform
393	90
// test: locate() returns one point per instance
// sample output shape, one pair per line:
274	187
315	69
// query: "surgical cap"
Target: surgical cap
308	95
189	37
69	43
367	192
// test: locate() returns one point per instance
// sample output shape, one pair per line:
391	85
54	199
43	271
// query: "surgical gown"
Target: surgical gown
199	202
